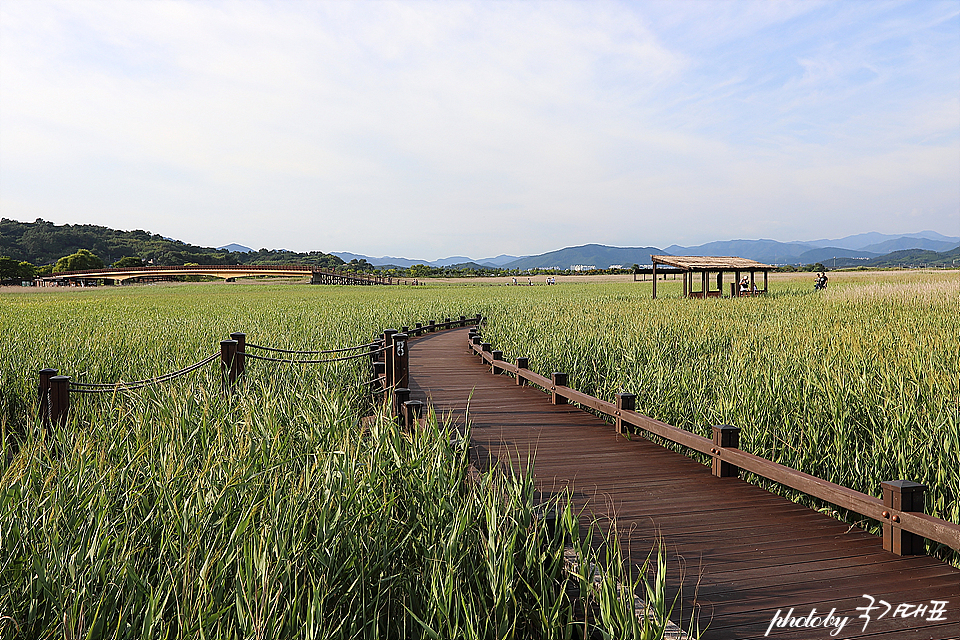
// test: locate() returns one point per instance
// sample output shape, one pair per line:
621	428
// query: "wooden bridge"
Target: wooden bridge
747	563
229	273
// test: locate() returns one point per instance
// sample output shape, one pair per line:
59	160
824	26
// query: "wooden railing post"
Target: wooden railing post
400	396
902	495
59	400
412	410
418	329
485	346
228	363
401	360
559	380
625	402
479	319
388	356
727	436
522	363
432	326
405	330
497	356
43	394
241	339
463	321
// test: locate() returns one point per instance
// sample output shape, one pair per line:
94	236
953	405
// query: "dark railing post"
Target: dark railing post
241	339
400	396
418	329
228	363
405	330
497	356
433	326
522	363
412	410
559	380
43	394
59	400
401	360
479	319
625	402
727	436
902	495
485	346
463	321
388	356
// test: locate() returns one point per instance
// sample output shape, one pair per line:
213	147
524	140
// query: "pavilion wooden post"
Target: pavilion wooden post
625	402
720	283
559	380
703	293
736	282
765	274
727	436
751	281
522	363
902	495
654	279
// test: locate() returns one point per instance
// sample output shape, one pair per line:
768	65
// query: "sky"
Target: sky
434	129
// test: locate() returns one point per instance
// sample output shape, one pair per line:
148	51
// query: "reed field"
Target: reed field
177	511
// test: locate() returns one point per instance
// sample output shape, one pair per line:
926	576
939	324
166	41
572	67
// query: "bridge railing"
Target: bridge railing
299	269
900	511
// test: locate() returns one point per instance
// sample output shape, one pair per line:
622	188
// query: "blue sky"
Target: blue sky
430	129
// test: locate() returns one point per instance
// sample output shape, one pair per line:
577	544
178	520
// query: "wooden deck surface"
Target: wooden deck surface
743	553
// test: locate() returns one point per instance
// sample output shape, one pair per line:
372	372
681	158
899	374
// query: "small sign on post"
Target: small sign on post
401	360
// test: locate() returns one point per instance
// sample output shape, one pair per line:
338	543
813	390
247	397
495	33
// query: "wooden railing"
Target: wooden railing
900	511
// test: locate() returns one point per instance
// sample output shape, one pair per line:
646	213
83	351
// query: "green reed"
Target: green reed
274	512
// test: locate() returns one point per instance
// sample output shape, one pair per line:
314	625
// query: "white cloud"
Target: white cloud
479	128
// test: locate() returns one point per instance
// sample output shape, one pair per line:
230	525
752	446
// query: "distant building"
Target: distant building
615	266
582	267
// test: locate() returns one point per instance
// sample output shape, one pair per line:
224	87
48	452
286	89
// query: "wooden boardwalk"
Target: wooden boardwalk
737	553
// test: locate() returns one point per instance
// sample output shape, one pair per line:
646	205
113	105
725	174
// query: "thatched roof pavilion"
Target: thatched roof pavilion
708	265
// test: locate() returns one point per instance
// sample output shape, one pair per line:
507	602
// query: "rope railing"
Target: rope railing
341	359
389	369
100	387
251	345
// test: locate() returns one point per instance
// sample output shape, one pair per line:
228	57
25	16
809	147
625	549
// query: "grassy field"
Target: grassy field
175	511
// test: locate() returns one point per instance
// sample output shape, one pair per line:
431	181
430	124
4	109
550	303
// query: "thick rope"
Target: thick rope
250	345
83	387
343	359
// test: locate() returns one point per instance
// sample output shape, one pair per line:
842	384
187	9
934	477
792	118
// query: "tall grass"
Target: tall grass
858	386
177	511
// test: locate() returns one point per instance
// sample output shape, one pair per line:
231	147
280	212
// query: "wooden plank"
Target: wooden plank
746	552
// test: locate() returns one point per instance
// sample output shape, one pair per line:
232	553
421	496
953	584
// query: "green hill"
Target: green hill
41	242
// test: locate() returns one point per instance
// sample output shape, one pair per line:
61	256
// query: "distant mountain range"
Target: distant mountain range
41	242
857	248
